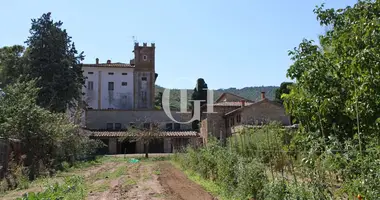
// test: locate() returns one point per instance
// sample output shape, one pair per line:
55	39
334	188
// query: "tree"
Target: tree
284	89
158	100
337	91
54	60
11	64
145	131
47	138
200	93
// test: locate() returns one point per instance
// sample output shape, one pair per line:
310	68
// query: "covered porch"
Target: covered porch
119	142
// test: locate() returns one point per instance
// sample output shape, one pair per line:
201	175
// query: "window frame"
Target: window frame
108	126
90	85
118	126
113	86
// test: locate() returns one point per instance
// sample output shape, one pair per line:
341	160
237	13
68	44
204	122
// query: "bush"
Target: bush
251	178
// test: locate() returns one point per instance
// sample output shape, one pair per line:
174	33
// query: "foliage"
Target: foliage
240	177
54	60
284	89
158	100
72	188
199	94
145	131
11	64
337	90
47	138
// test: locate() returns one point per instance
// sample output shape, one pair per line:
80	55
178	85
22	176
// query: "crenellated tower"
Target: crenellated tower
144	76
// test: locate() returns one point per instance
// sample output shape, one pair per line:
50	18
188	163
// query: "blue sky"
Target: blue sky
228	43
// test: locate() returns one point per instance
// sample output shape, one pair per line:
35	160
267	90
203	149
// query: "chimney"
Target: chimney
108	61
97	61
242	103
262	95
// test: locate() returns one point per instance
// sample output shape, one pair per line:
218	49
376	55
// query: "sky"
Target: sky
230	44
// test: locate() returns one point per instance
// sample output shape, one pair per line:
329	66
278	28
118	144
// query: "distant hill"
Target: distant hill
252	93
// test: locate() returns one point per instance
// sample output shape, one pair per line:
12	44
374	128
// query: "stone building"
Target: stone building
232	112
121	96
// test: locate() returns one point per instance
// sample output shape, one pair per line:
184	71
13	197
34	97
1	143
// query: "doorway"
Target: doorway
126	147
156	146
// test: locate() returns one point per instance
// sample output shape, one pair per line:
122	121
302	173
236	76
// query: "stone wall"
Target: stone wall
264	112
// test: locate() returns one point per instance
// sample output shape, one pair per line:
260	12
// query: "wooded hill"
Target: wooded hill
252	93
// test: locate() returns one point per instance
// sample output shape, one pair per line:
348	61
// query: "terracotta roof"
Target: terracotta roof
116	65
224	93
238	104
161	134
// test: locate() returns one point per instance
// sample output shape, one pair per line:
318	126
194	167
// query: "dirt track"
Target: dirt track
147	180
115	179
179	186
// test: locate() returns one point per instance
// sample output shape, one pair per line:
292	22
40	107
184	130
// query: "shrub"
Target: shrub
251	178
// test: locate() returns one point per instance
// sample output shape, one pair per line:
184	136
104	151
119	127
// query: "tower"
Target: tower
144	76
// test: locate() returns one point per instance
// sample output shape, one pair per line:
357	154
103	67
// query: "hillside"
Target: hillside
252	93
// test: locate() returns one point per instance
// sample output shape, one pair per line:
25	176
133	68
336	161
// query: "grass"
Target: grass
208	185
97	182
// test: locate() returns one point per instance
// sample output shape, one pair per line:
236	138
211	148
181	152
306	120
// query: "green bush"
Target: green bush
251	178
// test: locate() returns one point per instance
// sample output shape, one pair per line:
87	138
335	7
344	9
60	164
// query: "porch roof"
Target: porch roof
135	134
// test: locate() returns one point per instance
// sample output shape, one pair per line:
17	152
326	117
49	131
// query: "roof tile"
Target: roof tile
160	134
238	104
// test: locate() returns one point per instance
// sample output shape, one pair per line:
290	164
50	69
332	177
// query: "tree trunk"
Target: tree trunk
146	147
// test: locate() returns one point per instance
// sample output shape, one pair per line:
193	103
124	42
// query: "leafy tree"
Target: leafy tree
11	64
54	60
158	101
141	132
47	138
284	89
337	91
200	93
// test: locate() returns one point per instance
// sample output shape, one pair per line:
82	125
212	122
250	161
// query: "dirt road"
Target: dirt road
146	180
115	178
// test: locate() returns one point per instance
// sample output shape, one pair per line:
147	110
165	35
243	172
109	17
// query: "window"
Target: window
117	126
109	126
110	73
177	126
232	121
90	85
145	57
143	78
146	125
110	85
90	72
124	83
124	74
169	126
238	118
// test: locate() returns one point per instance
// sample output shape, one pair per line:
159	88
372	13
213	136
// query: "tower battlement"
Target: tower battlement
145	44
